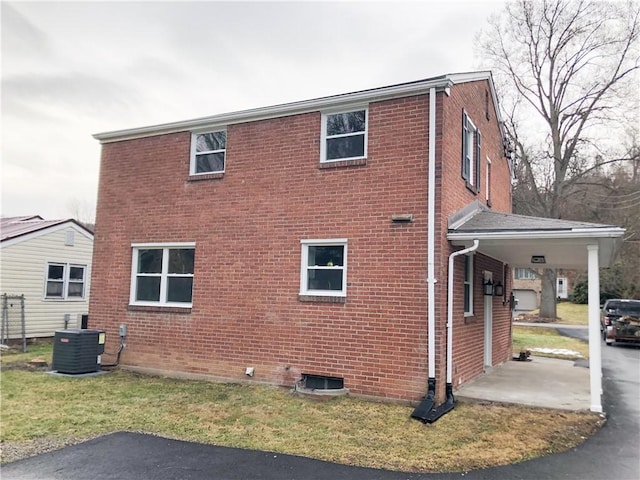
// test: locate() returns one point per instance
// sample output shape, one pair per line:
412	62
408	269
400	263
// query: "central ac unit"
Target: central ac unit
77	351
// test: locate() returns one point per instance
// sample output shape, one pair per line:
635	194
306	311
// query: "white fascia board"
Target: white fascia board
465	77
296	108
46	231
614	232
476	77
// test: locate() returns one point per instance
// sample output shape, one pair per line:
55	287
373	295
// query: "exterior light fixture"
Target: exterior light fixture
498	290
487	287
538	259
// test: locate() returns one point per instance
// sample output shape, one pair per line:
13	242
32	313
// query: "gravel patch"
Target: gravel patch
12	451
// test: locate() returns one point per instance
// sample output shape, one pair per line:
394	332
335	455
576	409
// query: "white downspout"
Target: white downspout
424	410
431	222
450	308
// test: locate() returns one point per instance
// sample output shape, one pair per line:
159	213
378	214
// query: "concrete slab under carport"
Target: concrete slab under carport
539	382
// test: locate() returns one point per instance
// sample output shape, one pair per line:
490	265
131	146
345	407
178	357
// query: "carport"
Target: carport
533	242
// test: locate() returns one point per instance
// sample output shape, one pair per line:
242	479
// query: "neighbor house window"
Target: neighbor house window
208	152
65	281
344	136
524	274
324	267
162	275
468	285
471	146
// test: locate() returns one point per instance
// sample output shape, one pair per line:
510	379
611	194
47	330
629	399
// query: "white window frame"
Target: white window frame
324	137
524	274
488	181
468	280
304	268
164	275
66	280
471	151
194	154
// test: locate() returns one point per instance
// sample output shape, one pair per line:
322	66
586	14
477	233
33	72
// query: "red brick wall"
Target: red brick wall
468	331
247	227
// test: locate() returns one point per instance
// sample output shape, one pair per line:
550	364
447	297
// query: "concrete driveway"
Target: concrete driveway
610	453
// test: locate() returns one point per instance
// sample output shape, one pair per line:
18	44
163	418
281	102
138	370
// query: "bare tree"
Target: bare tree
567	68
82	211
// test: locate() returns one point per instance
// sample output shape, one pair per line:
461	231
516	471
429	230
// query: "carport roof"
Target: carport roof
515	239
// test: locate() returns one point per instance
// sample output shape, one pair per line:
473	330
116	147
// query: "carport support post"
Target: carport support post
595	348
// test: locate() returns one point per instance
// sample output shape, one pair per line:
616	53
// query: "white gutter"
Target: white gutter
452	257
442	83
295	108
611	232
431	222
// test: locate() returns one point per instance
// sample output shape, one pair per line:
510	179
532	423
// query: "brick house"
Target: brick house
308	243
527	287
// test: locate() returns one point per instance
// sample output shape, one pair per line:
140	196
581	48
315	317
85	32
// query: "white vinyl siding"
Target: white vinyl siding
24	271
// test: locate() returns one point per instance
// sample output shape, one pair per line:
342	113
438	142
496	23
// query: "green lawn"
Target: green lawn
571	314
529	338
37	407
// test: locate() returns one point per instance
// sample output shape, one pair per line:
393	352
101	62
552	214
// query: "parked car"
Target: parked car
620	321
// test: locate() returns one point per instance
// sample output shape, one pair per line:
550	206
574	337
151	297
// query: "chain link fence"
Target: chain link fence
13	320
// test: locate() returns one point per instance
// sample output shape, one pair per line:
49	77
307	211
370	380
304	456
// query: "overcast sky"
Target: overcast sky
72	69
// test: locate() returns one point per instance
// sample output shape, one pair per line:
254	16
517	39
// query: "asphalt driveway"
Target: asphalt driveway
610	453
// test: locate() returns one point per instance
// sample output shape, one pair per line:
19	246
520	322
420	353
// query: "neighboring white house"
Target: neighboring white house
49	262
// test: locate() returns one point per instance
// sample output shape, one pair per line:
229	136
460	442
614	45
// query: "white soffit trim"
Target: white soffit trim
362	97
613	232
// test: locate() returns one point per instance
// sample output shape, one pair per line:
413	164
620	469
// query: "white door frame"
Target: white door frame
488	324
562	287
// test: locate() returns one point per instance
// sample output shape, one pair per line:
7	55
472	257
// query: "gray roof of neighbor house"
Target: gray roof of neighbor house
13	227
440	83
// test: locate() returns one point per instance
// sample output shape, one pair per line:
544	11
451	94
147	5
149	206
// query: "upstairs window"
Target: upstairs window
208	151
344	136
65	281
324	268
471	146
162	275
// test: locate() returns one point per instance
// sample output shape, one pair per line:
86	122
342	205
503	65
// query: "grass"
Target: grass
528	338
573	314
569	314
37	407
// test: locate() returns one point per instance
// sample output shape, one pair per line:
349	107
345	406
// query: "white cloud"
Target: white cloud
71	69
